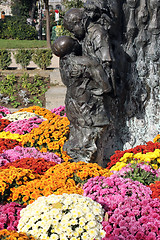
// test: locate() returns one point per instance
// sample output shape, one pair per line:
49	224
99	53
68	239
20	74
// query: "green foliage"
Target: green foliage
5	59
138	174
17	28
7	85
42	57
68	4
23	57
32	90
37	87
21	7
36	101
62	31
14	102
78	180
72	4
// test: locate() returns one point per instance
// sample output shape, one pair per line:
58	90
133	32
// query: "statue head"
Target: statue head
65	45
73	22
96	8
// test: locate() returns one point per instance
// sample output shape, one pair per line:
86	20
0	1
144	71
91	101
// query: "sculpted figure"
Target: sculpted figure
86	82
92	36
111	71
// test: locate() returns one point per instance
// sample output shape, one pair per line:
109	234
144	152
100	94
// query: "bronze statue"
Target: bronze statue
86	82
111	70
93	37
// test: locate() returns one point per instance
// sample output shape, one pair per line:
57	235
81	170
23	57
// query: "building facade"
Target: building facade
5	7
56	4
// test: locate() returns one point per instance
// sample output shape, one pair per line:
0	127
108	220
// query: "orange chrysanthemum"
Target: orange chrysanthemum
62	178
39	111
50	136
13	235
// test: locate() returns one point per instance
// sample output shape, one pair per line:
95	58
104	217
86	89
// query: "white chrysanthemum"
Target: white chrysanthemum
92	224
85	209
54	237
55	222
96	210
21	115
66	216
82	222
102	233
76	234
64	238
92	233
89	216
79	230
85	236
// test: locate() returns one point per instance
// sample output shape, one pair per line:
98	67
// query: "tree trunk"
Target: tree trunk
48	36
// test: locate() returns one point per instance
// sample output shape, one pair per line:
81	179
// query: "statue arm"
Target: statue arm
101	44
101	78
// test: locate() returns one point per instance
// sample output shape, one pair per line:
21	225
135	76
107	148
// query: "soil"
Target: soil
30	71
44	76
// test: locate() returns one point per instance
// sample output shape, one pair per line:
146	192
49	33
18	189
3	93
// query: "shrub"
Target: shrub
5	59
17	28
42	58
23	57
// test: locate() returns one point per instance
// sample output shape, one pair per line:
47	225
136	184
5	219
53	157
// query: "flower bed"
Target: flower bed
134	220
49	136
20	152
10	215
37	165
13	235
23	126
139	172
151	158
111	191
4	111
45	196
67	217
8	144
3	124
149	147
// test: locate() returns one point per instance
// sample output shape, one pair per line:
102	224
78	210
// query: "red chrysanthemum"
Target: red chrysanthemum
38	165
149	147
4	123
155	187
8	144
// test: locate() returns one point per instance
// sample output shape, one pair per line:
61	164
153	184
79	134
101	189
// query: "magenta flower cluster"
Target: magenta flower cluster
19	152
10	215
111	191
143	166
4	111
59	111
24	126
134	219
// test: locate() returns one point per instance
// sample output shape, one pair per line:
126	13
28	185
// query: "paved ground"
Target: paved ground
55	96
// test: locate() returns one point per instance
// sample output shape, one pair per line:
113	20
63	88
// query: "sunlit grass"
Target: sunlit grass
12	44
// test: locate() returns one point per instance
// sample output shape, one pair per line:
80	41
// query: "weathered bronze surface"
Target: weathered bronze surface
111	70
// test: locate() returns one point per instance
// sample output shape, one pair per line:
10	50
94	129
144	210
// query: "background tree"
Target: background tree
27	8
21	7
48	35
72	4
67	4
